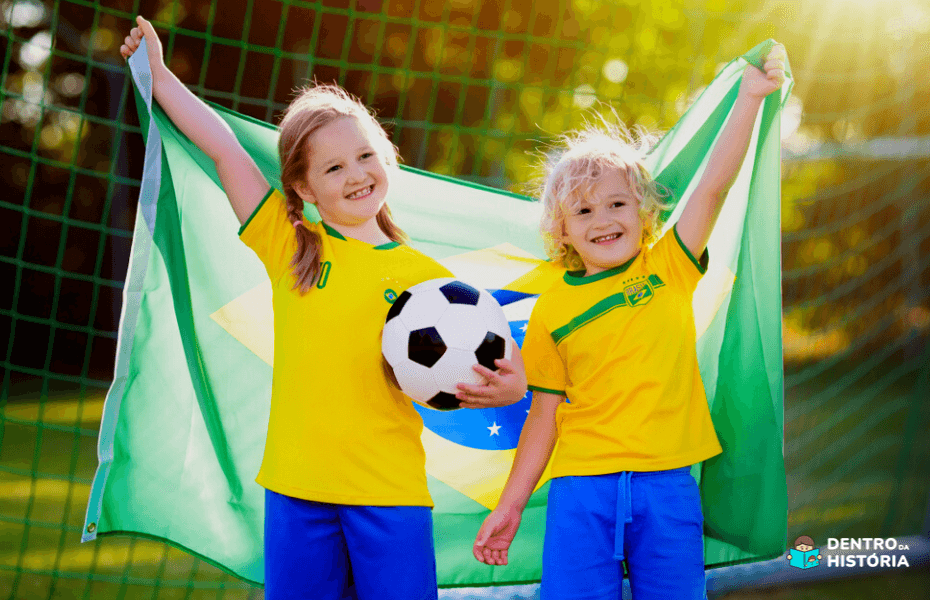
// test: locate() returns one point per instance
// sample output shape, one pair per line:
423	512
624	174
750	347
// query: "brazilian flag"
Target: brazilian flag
185	419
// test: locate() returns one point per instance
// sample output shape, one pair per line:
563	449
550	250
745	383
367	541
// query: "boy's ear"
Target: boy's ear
303	190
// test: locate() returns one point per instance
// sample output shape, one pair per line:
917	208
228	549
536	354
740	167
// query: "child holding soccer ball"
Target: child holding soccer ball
616	337
347	511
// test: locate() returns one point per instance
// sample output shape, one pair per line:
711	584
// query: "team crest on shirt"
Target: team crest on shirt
638	293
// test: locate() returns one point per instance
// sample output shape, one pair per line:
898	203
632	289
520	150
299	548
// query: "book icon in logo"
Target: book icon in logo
804	555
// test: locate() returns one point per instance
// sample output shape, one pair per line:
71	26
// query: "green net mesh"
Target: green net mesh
473	89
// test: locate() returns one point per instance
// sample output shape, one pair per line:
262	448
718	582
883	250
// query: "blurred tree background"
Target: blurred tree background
474	89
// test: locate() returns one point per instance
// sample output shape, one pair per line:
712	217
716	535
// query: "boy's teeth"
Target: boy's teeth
604	238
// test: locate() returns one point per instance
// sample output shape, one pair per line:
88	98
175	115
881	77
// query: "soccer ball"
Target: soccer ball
435	332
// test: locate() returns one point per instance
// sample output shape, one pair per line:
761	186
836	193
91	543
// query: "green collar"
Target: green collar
579	277
333	233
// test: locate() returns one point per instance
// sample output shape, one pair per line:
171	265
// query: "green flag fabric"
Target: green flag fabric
185	419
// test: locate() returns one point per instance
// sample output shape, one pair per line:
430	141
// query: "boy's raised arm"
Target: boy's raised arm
242	181
699	216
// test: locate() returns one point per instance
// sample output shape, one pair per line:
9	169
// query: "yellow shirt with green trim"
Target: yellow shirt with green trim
621	346
338	432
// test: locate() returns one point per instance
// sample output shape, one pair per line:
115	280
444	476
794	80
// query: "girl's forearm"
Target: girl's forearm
243	182
192	116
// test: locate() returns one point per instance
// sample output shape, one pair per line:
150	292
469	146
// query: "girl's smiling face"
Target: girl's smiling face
605	227
346	179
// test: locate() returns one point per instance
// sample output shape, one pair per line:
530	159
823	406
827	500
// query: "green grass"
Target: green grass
41	517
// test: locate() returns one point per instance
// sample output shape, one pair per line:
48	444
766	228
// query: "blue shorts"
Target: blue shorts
319	551
652	520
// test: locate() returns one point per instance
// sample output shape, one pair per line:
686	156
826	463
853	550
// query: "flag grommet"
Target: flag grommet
91	527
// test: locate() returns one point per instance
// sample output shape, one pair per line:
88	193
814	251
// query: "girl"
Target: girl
617	337
347	511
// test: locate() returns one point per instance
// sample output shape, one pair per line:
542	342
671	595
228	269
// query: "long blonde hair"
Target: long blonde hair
573	169
314	108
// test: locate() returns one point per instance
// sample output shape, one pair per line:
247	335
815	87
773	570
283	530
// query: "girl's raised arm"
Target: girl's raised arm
699	216
242	181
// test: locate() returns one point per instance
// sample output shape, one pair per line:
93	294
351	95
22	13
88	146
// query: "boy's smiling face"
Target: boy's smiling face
605	228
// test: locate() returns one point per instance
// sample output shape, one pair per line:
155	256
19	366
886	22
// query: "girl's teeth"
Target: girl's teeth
361	193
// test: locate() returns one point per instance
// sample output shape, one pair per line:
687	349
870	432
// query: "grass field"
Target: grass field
41	518
856	454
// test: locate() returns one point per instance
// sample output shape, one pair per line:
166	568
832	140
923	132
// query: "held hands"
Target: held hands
132	41
495	536
503	387
761	84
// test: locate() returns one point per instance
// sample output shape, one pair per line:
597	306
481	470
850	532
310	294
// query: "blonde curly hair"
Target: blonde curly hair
573	169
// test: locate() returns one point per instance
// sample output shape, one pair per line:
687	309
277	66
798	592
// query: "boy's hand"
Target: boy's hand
503	387
132	41
495	536
761	84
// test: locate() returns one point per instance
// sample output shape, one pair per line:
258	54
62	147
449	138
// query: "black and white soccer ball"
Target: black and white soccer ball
435	332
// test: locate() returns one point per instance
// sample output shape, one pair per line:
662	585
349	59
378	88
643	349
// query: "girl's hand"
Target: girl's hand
503	387
132	41
759	84
495	536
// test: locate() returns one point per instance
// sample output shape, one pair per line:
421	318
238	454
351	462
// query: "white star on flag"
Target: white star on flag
495	428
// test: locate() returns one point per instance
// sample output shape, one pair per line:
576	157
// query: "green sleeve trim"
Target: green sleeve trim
536	388
700	264
255	212
387	246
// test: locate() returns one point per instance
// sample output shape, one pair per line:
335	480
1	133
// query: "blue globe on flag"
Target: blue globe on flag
489	428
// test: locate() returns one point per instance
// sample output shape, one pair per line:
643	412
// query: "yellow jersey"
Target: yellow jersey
338	432
621	346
